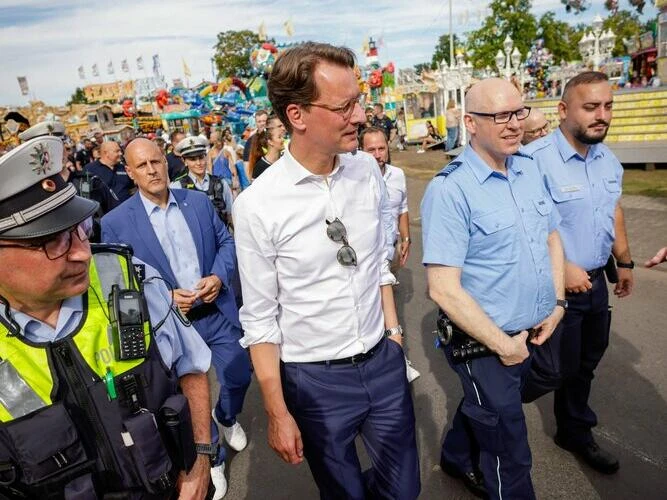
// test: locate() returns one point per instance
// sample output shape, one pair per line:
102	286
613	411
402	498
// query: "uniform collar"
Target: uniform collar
30	325
298	173
481	170
567	151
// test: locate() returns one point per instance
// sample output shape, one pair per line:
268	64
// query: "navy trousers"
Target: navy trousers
584	339
489	429
333	404
230	361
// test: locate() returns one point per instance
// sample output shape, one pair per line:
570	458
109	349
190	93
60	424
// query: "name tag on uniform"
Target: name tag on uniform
571	189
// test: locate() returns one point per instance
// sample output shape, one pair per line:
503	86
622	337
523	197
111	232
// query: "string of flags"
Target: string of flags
125	67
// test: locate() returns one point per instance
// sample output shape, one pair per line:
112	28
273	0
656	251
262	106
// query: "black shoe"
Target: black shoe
592	454
473	481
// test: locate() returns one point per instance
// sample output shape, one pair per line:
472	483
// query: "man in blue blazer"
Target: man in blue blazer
179	233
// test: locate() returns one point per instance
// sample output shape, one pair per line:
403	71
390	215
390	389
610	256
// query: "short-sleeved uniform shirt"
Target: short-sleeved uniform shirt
585	192
495	228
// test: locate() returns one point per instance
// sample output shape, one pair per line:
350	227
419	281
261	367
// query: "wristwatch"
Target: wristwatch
394	330
562	302
626	265
208	449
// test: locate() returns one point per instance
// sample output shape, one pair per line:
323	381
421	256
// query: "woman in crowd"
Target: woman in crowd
432	137
268	147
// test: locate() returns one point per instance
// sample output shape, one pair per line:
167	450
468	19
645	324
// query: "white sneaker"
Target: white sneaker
235	436
420	151
219	481
411	373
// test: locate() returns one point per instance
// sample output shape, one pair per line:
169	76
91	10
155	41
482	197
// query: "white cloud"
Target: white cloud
52	38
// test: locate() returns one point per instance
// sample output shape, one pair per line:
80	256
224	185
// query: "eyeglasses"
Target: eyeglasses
336	232
544	129
505	116
346	109
55	246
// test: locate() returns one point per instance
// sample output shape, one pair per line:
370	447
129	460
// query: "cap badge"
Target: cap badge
48	185
41	160
192	142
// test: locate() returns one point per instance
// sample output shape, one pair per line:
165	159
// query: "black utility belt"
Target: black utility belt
463	346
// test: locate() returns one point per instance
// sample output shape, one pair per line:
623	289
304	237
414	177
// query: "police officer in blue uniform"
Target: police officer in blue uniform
193	152
494	265
60	419
584	178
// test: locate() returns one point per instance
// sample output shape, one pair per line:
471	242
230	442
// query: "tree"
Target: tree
442	50
625	25
78	97
559	37
419	67
232	52
508	17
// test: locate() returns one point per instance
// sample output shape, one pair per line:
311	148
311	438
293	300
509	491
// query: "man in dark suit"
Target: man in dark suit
178	232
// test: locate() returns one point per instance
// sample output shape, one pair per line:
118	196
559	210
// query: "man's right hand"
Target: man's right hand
184	299
576	279
516	350
285	438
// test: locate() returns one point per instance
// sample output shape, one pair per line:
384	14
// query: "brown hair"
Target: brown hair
260	142
292	80
585	78
371	130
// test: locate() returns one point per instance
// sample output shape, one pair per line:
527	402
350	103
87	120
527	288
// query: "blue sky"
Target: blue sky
47	40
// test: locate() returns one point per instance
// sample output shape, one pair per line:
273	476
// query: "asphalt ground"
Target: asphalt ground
628	392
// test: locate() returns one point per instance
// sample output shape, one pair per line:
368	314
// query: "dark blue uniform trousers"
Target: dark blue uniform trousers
489	429
333	404
230	361
583	341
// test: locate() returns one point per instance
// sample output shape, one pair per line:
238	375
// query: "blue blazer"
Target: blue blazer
129	224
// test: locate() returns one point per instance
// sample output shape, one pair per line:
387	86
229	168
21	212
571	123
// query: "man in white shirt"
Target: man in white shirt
318	302
374	142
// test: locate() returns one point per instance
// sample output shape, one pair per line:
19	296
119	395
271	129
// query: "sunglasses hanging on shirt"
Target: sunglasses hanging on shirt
336	232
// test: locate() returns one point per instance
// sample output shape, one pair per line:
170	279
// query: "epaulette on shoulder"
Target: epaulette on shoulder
523	154
449	168
530	149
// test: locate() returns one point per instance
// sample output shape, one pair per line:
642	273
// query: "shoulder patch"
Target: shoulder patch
449	168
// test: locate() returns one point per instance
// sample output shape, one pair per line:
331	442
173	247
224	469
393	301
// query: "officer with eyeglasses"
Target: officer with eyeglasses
312	237
60	371
495	267
535	126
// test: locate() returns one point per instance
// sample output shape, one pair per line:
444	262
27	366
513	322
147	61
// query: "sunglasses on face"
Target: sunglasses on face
337	233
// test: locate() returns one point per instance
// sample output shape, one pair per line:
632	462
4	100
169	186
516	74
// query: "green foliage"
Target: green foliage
508	17
419	67
232	52
442	50
78	97
625	25
559	37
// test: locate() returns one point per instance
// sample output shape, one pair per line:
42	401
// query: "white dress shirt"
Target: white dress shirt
295	293
397	193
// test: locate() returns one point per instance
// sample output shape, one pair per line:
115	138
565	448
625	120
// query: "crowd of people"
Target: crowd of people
280	261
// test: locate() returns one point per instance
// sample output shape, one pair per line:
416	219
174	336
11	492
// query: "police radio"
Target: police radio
126	308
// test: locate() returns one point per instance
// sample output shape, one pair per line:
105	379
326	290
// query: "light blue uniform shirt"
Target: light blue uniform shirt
180	346
495	228
176	240
585	192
